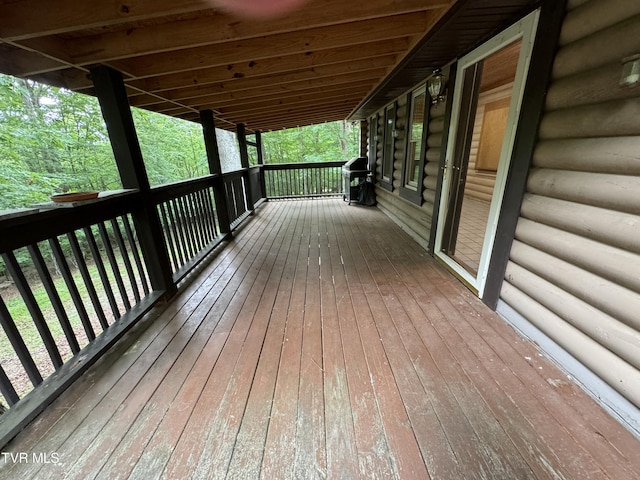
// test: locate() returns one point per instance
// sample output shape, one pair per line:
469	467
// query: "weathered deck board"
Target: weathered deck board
322	342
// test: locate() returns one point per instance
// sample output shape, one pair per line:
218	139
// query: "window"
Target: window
414	159
388	147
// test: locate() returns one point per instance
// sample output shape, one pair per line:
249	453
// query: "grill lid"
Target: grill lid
359	163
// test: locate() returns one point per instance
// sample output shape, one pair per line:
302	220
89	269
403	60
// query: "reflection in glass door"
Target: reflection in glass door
486	101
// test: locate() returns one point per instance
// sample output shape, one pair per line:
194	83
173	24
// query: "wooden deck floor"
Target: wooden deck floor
324	343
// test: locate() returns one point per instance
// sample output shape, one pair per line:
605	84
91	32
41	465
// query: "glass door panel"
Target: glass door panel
487	97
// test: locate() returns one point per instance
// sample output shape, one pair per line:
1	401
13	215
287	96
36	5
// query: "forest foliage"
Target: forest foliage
55	141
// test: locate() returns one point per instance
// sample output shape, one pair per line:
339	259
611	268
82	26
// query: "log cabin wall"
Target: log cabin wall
400	138
379	144
434	151
574	268
414	219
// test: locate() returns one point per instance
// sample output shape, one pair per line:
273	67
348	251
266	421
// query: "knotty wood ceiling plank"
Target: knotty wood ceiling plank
208	76
211	29
312	98
258	86
36	18
276	45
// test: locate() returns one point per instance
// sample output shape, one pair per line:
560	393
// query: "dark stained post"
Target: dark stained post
215	168
242	143
364	135
111	93
244	161
263	185
259	147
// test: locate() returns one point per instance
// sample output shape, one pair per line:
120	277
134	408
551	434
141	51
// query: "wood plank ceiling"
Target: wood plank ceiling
178	57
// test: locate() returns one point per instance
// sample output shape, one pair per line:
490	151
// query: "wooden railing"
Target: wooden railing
78	278
235	189
74	272
190	225
289	180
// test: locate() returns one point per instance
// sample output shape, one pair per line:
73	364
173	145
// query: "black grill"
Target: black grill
354	172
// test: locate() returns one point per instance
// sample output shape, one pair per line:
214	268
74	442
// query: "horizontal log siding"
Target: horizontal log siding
402	112
415	219
574	269
379	141
434	151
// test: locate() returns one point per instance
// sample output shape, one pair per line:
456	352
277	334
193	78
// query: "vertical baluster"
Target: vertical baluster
213	208
240	199
102	271
205	220
207	233
209	203
209	217
294	182
281	182
274	180
88	283
186	224
34	309
108	248
167	235
229	200
176	234
177	215
65	271
125	258
192	205
56	303
16	341
136	253
187	217
6	388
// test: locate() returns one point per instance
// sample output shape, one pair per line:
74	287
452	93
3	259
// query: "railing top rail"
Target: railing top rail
25	230
302	166
181	184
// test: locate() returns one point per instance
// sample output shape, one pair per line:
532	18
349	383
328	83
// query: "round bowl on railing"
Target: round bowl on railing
74	197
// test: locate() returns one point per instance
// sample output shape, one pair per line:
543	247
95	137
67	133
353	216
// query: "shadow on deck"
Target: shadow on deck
323	342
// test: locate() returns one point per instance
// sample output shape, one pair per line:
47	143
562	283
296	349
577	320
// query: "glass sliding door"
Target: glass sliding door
487	98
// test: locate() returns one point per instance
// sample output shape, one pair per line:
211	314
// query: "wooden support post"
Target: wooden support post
244	161
111	93
364	134
213	156
263	185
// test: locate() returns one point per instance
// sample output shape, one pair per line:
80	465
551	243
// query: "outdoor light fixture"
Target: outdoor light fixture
435	85
630	71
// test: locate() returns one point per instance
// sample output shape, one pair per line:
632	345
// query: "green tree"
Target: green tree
316	143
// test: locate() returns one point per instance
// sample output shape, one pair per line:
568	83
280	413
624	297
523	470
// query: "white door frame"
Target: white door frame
524	29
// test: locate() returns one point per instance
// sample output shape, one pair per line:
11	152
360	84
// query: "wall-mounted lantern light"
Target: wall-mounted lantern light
436	85
630	71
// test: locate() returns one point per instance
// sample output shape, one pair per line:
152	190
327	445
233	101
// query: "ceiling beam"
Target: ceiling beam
292	118
252	50
35	18
16	61
317	97
258	97
216	75
260	88
382	53
210	29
